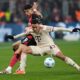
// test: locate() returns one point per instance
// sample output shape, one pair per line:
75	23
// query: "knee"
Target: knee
60	56
18	49
15	47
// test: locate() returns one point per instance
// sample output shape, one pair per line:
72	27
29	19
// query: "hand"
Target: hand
76	30
10	37
35	5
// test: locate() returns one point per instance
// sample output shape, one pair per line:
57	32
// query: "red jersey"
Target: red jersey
30	21
28	40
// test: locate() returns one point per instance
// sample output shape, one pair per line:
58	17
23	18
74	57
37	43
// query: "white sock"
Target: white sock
72	63
23	61
9	69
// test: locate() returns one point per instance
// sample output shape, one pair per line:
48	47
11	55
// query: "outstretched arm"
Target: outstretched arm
16	36
51	28
19	35
66	29
62	29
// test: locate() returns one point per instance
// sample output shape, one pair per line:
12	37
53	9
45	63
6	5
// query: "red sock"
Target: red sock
15	58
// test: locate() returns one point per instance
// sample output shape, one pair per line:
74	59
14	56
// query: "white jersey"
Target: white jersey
43	38
44	42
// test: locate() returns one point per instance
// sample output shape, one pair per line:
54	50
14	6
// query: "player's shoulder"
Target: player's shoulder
28	29
44	27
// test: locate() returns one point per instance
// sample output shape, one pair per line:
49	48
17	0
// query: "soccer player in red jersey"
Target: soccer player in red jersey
28	40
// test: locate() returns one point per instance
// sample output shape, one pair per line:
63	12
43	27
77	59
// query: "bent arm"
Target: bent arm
35	9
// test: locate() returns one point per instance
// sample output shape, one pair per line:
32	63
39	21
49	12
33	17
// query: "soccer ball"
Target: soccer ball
49	62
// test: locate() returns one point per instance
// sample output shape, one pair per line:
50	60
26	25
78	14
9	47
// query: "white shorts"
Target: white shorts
53	49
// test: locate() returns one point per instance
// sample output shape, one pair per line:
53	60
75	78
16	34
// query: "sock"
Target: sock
14	60
23	61
8	69
72	63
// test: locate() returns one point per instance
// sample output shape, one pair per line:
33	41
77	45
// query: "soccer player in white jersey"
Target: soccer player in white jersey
45	44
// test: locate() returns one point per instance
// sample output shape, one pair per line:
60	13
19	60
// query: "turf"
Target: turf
36	70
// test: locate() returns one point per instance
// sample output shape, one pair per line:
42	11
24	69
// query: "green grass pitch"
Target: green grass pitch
35	69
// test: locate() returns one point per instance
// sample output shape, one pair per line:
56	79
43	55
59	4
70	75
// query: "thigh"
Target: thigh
40	50
55	50
36	50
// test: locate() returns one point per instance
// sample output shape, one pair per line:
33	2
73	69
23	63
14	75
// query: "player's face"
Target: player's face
36	28
28	12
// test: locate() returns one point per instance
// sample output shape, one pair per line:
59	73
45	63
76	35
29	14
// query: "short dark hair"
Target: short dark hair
36	19
28	6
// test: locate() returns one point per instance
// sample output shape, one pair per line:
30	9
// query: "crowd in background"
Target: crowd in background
52	10
64	13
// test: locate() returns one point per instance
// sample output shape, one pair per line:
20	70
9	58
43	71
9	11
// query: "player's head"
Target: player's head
28	9
36	21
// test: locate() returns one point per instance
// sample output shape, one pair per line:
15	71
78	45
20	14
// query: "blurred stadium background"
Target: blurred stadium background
65	13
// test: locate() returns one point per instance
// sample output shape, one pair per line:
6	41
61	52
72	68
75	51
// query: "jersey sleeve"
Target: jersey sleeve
47	28
51	29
